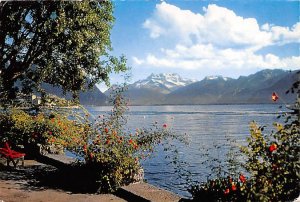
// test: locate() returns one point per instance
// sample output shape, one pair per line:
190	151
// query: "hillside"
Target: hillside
171	89
91	97
255	88
153	89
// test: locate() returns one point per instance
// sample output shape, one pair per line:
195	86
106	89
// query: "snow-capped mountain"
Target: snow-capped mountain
154	88
165	89
166	82
255	88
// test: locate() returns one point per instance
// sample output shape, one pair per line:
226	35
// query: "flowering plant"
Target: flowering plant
111	153
108	153
54	129
220	189
271	162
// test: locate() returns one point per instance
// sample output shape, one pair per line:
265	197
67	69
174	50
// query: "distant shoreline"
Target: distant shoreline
191	104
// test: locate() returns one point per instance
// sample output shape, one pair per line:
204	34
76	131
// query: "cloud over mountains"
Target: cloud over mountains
217	39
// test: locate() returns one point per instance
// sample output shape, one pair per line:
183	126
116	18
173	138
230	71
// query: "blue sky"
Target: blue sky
198	38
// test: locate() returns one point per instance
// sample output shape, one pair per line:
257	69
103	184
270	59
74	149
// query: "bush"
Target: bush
221	189
111	153
272	164
108	153
48	130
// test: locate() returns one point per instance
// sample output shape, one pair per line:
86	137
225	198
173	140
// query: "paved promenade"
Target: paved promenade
21	185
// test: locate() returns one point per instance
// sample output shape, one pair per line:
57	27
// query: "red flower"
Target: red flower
107	141
91	155
165	125
242	178
274	97
130	141
106	130
273	147
50	133
233	187
226	191
84	148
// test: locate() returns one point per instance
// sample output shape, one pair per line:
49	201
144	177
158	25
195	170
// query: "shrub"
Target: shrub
21	128
220	189
272	164
111	152
108	153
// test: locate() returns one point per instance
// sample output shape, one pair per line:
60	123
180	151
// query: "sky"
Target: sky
198	38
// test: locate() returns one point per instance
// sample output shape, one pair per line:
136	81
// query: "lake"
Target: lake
207	128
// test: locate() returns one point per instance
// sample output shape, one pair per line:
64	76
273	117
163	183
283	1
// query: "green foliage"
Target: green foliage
111	153
63	43
273	162
270	160
220	189
20	128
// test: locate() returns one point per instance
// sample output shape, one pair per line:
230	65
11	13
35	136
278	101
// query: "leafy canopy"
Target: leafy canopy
63	43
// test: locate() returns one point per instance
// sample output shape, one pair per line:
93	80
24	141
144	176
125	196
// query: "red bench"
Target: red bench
11	155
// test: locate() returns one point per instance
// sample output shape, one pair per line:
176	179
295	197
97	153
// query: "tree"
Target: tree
63	43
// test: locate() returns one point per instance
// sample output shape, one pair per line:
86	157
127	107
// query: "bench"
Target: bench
11	155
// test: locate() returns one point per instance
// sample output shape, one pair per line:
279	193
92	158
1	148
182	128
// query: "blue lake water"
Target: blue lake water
206	128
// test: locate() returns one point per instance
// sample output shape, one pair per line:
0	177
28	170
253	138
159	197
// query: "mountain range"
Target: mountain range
164	89
172	89
153	89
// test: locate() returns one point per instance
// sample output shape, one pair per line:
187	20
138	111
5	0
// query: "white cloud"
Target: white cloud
200	57
219	26
171	21
156	30
137	61
283	35
217	39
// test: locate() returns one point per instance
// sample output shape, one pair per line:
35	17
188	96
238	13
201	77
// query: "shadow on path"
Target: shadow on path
128	196
52	175
66	178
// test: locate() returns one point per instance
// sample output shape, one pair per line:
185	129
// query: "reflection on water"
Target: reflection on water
207	126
